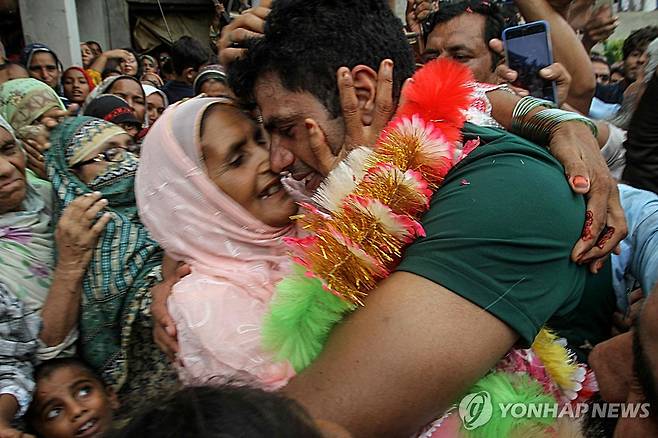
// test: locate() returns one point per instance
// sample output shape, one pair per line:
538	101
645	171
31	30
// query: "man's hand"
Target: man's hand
417	11
164	327
356	132
599	27
250	24
573	144
554	72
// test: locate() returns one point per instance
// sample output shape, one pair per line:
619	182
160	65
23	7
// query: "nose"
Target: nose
280	157
6	168
644	58
76	409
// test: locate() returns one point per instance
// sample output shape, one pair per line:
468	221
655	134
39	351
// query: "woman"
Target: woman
88	155
211	80
77	84
156	102
152	79
27	246
129	64
87	55
221	209
115	110
24	103
149	64
126	87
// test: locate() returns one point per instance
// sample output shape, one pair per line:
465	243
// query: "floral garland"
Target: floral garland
365	214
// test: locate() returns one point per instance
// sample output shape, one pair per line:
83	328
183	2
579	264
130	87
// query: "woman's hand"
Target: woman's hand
356	132
78	231
164	327
116	53
35	161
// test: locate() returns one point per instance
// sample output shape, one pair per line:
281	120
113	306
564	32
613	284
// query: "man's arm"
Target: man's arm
567	50
402	360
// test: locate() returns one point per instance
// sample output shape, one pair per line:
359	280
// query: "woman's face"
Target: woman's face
148	66
87	55
154	107
215	88
133	93
129	65
88	172
12	173
76	88
237	160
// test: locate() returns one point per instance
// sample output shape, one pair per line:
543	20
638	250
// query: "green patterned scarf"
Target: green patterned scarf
23	101
126	261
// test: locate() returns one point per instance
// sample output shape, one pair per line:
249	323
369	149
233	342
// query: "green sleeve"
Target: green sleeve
500	231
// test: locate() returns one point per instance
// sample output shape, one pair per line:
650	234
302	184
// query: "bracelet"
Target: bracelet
540	126
523	107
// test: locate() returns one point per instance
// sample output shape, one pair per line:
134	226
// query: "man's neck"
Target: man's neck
182	79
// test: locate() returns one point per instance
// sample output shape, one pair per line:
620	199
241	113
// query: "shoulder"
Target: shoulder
500	230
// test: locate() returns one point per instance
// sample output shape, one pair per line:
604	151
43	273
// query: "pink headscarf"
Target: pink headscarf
235	259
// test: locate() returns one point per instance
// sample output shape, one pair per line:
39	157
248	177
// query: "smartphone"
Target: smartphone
528	50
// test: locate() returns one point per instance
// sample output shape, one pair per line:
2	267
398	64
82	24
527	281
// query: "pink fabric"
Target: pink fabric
235	259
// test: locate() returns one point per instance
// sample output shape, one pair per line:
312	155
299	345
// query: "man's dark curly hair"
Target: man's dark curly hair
639	40
307	41
498	17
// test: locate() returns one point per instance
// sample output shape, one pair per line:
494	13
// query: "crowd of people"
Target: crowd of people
330	223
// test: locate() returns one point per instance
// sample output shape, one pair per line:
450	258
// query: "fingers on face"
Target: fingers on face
324	157
350	106
384	107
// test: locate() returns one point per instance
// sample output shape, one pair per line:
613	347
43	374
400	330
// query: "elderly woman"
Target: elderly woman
29	272
24	103
88	155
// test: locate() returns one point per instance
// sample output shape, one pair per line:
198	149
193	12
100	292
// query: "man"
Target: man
626	368
634	53
468	31
462	31
601	69
477	284
188	55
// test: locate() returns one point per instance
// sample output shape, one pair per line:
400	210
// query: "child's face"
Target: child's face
238	161
72	403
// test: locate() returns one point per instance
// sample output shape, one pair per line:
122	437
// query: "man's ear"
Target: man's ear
365	88
190	74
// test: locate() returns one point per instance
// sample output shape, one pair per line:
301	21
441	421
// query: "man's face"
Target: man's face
634	62
43	66
284	113
462	39
602	72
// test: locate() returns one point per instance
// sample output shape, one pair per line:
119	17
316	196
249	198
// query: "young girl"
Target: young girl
71	400
207	194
